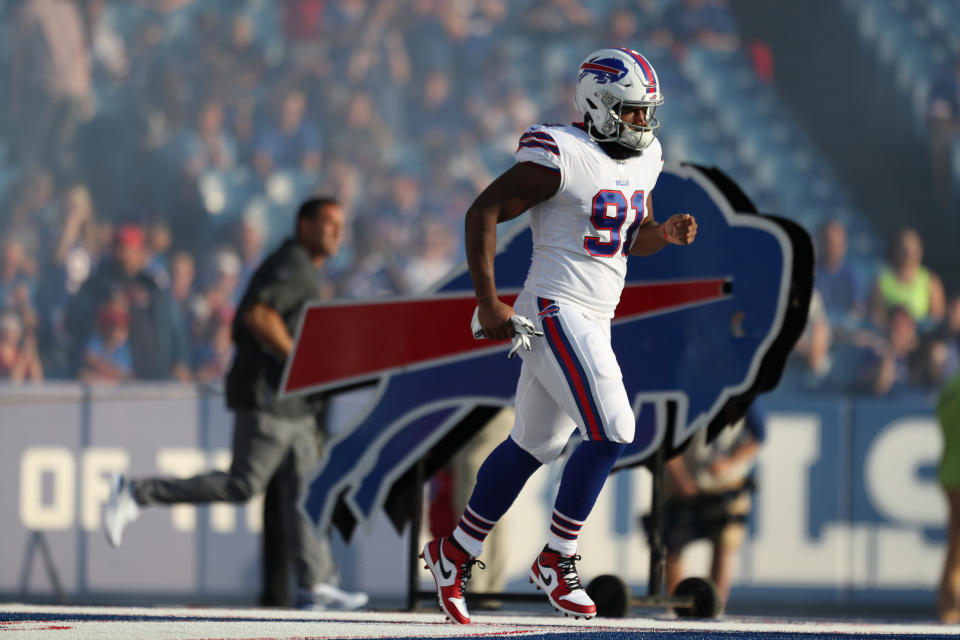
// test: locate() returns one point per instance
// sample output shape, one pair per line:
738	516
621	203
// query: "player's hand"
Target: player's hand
495	320
680	228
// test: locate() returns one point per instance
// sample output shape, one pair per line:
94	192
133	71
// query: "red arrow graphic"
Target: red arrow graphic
343	343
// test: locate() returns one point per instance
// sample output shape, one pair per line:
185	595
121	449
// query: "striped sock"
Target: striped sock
564	532
472	530
581	483
499	480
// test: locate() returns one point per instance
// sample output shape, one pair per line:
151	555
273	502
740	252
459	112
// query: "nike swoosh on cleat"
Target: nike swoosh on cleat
443	571
547	580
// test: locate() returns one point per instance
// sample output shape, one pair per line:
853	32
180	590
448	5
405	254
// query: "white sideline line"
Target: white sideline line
251	623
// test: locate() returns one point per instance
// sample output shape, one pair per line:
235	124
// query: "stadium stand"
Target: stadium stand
198	115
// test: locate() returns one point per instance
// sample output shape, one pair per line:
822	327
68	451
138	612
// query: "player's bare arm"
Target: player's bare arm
513	192
652	236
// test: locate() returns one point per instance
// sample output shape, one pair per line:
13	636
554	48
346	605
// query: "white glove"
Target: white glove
521	326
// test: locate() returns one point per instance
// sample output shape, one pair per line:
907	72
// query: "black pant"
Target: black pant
276	559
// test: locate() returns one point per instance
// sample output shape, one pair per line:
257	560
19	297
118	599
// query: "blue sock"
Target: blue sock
499	481
580	486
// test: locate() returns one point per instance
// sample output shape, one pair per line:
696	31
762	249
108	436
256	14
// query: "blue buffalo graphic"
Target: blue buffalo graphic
603	69
550	311
699	331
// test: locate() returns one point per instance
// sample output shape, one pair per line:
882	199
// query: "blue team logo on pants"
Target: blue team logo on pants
699	331
549	311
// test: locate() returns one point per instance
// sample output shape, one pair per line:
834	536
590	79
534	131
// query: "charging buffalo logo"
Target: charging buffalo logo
603	69
699	331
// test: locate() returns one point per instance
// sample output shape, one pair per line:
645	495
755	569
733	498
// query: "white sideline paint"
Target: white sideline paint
181	623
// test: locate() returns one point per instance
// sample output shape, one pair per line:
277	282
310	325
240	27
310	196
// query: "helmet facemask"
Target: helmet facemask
633	136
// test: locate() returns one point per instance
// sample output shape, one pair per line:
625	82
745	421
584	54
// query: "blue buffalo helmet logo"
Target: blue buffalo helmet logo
699	331
603	69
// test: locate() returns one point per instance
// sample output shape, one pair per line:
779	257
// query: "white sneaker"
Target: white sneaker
327	596
120	510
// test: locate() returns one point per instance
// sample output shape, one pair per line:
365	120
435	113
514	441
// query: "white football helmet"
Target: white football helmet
611	79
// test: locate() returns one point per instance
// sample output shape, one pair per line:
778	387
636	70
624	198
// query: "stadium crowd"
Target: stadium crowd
151	152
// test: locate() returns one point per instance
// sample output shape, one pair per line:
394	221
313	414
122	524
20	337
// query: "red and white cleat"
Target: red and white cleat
451	568
557	576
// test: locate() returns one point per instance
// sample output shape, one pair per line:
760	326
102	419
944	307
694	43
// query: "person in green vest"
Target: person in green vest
948	411
905	282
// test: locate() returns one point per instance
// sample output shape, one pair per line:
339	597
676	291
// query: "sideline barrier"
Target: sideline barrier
847	510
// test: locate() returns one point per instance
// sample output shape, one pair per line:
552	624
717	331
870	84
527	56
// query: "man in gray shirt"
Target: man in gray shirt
271	436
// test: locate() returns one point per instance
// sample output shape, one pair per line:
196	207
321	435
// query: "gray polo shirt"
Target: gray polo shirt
285	281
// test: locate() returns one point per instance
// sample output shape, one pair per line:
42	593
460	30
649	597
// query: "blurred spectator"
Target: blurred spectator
182	296
434	113
242	60
707	23
68	265
158	346
18	353
943	118
426	36
208	146
404	202
182	274
905	282
105	234
289	140
166	98
949	330
159	239
303	19
107	44
249	239
372	271
558	17
222	281
108	356
836	280
29	209
885	366
810	362
15	276
380	48
432	258
934	363
77	226
940	349
17	299
214	350
623	26
304	25
51	81
241	127
363	139
481	30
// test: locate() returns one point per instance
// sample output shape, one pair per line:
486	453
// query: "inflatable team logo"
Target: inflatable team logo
699	331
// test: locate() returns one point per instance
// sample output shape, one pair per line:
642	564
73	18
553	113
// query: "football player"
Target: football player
587	187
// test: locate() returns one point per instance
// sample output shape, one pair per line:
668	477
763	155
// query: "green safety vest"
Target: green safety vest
913	296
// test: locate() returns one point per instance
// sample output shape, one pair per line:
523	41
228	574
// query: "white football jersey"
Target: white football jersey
582	235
